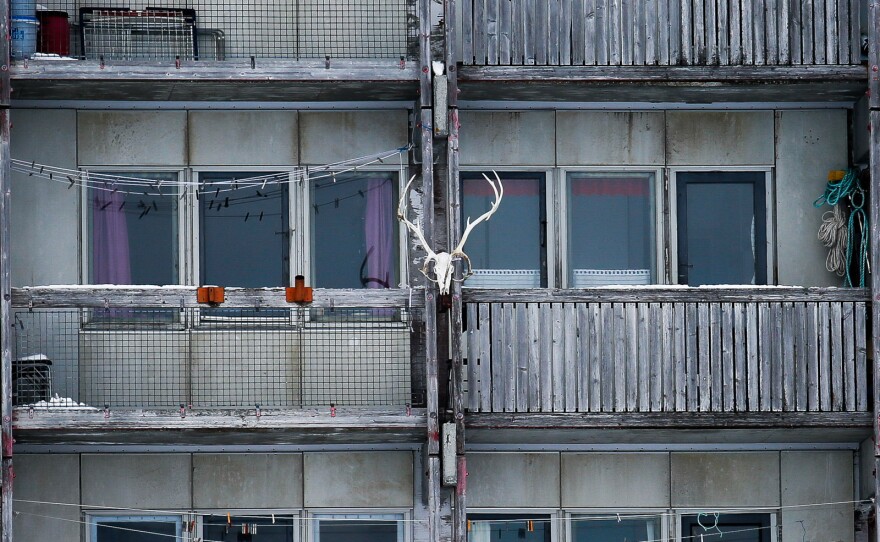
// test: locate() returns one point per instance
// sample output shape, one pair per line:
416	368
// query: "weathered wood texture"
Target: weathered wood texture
185	297
668	356
649	32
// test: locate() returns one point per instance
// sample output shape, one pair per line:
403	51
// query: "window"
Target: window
134	528
132	237
722	227
358	528
355	230
244	237
727	527
254	528
610	228
509	250
509	528
604	529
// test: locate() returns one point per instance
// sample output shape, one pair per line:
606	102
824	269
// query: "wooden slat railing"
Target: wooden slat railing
660	32
681	350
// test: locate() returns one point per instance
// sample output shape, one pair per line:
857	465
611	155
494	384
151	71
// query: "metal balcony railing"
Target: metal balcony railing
209	30
675	350
123	356
660	32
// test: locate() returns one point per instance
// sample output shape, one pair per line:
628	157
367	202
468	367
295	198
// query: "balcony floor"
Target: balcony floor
679	428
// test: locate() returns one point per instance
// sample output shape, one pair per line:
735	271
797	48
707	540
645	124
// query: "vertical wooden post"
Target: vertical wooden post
459	511
5	285
874	103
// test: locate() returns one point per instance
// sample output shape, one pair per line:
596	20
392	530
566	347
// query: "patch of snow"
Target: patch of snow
34	357
59	403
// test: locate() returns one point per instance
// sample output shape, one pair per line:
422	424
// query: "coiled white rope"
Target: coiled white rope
833	234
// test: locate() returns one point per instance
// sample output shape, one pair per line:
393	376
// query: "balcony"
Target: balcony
106	47
604	50
656	357
138	359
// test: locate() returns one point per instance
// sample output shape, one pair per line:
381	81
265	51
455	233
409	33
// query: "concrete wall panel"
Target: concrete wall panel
507	138
711	138
45	215
500	480
247	480
137	480
243	138
725	479
126	138
46	478
585	138
327	137
621	480
809	143
358	479
817	477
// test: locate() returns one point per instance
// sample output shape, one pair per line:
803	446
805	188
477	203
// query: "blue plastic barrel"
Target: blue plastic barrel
24	37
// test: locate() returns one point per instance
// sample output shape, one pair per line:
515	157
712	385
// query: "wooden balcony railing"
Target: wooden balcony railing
660	32
667	350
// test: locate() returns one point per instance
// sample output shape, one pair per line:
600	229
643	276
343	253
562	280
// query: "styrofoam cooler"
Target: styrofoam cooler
22	8
24	37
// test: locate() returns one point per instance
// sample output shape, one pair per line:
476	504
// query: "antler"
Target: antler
401	215
498	188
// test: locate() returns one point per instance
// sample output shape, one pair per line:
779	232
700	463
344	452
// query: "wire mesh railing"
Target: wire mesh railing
216	358
209	30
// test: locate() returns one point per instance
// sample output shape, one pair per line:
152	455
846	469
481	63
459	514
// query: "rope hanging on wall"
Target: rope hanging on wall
845	235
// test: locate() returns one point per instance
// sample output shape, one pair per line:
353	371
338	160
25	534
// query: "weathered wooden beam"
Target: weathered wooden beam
185	297
732	74
670	420
6	432
671	294
874	190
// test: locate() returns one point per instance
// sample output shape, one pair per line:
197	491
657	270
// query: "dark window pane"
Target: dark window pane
508	249
722	233
502	528
248	529
136	531
610	229
359	530
244	233
728	527
133	237
354	230
612	530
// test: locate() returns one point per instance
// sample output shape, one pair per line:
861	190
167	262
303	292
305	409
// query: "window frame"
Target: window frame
550	189
572	514
194	233
312	518
133	171
295	514
304	241
94	518
556	517
561	214
769	216
772	513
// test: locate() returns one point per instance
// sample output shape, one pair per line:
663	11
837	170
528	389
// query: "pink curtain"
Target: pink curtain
110	250
379	232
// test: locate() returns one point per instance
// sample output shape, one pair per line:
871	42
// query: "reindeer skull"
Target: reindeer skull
442	261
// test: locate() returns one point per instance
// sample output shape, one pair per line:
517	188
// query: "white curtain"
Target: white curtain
481	531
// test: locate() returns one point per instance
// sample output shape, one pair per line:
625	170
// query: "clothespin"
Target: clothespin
531	525
182	410
332	410
106	411
259	413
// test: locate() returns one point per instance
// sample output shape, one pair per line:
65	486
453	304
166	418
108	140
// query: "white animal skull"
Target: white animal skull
442	261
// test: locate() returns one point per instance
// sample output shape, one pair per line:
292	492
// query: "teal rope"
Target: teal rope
837	190
857	201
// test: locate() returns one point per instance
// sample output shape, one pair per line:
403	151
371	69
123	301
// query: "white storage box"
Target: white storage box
504	278
586	278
